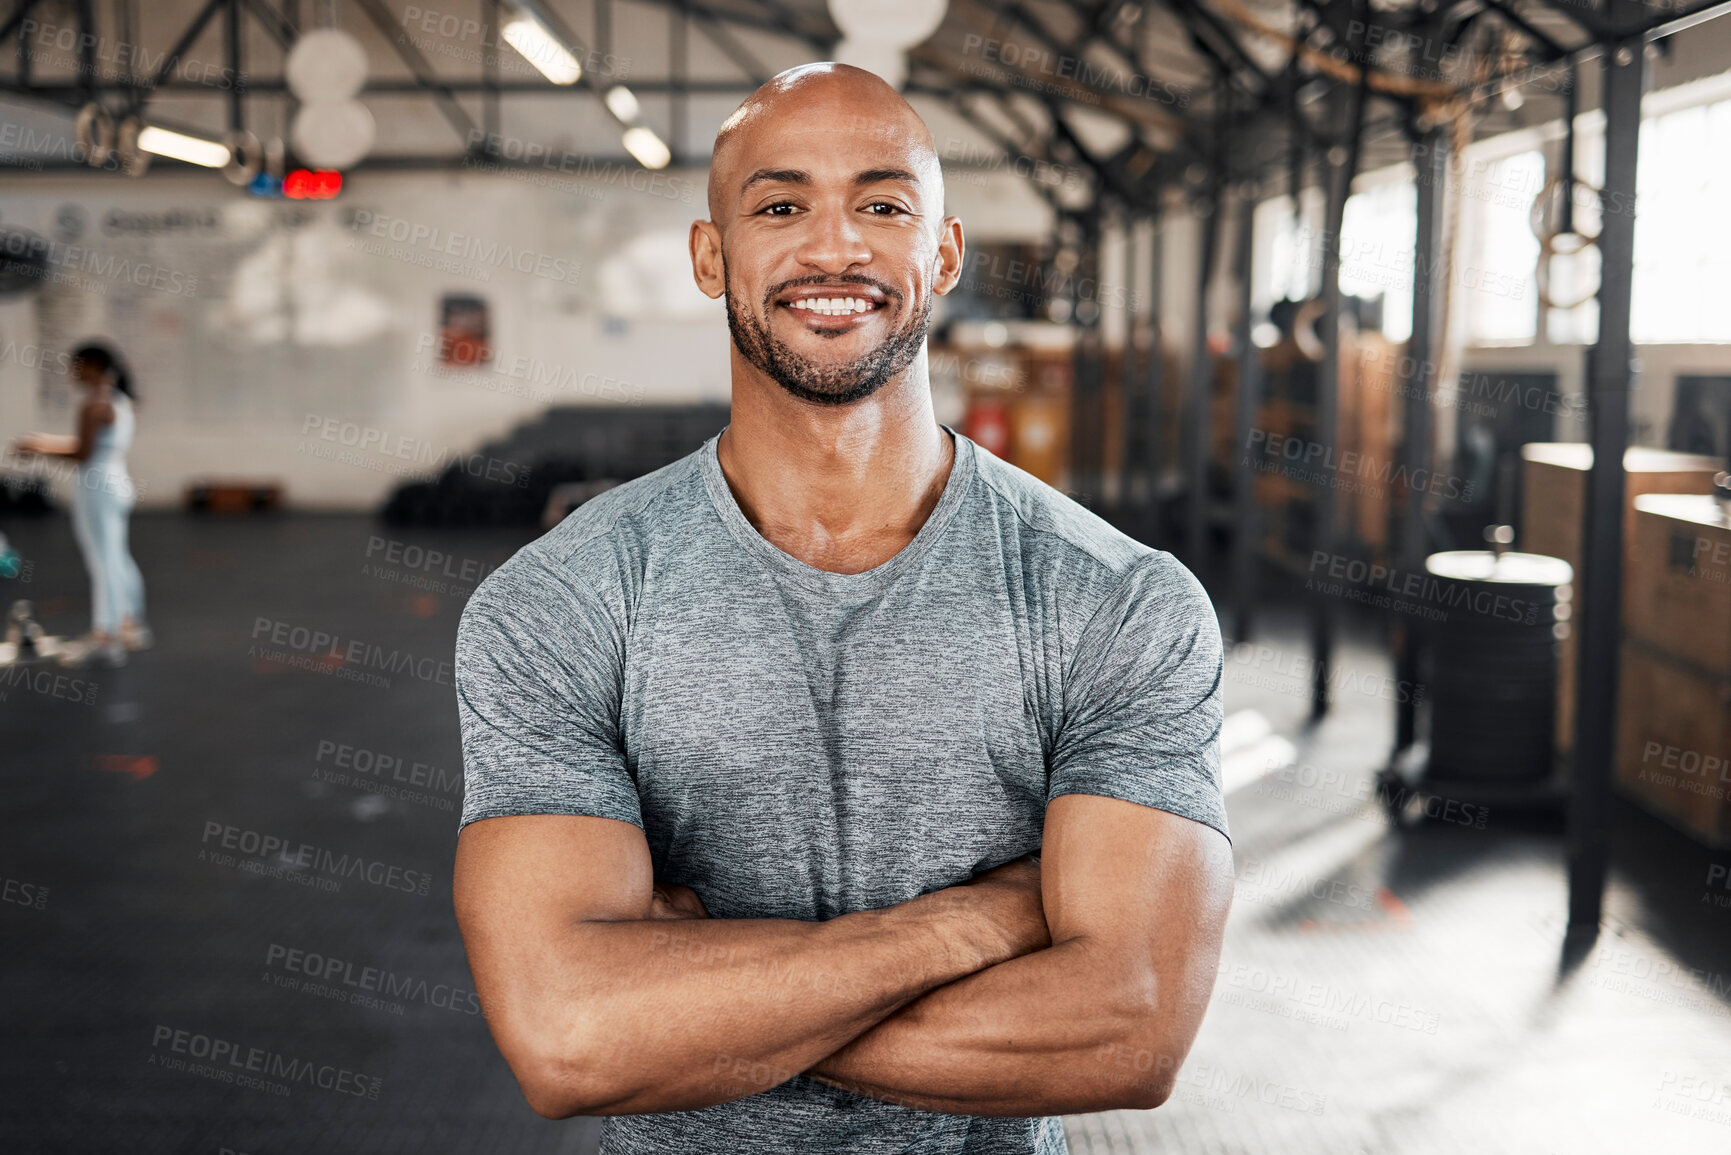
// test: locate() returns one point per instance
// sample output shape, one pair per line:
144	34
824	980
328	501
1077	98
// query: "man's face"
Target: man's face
830	224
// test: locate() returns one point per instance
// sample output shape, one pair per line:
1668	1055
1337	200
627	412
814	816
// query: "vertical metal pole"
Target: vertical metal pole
490	70
604	32
678	95
1571	108
1201	382
1088	378
1610	370
125	14
1156	427
1127	376
1340	176
87	48
236	69
1246	539
1430	165
1327	429
22	11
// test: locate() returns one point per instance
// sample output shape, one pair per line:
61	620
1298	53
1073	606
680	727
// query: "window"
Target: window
1376	252
1682	232
1495	287
1286	263
1377	234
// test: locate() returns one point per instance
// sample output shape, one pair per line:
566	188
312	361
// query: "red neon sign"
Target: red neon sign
312	184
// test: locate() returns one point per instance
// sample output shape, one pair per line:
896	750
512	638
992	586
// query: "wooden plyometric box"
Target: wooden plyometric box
1553	504
1674	743
1554	492
1677	584
1040	434
1369	427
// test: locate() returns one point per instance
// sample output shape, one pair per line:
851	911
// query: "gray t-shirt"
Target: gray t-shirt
802	744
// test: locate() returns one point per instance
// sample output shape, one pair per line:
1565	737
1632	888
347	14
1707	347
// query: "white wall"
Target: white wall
256	319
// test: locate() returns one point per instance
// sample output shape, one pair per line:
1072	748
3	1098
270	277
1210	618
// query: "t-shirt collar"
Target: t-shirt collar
754	543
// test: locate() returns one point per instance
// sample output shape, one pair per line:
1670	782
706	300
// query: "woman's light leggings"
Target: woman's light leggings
101	503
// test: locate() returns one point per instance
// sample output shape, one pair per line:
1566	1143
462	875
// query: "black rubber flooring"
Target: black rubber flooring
159	996
1383	990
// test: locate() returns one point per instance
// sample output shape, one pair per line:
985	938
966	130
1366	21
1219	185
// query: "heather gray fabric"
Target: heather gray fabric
803	744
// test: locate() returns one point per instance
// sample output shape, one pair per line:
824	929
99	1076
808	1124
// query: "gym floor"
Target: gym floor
1382	991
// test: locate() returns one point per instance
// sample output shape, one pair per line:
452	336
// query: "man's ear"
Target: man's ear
950	247
707	267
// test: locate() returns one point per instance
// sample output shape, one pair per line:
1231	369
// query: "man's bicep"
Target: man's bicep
553	868
1149	891
522	883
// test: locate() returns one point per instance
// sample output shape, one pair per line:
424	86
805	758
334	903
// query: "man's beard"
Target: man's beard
824	384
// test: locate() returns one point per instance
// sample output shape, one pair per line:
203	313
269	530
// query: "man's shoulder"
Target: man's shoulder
632	510
1053	526
584	550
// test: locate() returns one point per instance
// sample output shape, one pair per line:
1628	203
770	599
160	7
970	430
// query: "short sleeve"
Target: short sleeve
539	669
1142	698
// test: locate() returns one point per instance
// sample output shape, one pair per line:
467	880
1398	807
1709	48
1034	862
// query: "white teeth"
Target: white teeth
833	306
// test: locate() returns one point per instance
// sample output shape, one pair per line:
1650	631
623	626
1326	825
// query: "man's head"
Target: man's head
826	232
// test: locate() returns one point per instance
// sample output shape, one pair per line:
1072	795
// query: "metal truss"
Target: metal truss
1277	118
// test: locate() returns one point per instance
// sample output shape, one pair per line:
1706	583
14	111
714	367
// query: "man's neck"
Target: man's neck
842	488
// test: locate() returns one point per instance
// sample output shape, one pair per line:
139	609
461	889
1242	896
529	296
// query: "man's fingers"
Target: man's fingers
672	901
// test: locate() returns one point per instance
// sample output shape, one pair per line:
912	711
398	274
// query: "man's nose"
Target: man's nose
833	243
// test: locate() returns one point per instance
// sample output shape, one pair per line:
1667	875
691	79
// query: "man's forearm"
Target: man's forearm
1054	1032
675	1015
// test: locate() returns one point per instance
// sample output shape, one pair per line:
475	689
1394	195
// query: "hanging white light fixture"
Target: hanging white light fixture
648	148
903	23
622	103
183	146
326	64
326	70
538	41
335	135
876	34
640	140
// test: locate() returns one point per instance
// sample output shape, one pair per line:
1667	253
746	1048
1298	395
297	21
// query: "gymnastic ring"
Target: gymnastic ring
134	161
1304	333
1542	275
94	132
245	157
1541	202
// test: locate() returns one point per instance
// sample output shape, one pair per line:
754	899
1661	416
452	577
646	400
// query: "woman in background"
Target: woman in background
101	503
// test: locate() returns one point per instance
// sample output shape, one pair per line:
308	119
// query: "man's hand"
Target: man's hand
1012	916
671	901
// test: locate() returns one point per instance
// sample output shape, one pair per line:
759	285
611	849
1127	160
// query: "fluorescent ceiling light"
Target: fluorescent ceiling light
540	48
643	144
622	103
192	149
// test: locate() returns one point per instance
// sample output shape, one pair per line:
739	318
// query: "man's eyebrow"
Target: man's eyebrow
776	176
874	175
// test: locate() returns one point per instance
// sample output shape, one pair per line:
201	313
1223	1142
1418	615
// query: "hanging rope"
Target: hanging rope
1378	80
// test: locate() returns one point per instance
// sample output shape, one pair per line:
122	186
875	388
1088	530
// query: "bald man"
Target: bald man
839	787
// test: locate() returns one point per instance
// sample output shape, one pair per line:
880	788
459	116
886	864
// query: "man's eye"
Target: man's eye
886	206
774	210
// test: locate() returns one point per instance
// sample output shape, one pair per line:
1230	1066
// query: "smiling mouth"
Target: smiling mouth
836	306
